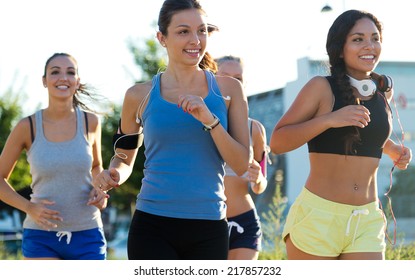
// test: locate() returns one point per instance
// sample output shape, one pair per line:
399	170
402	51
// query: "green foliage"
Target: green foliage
10	250
21	177
401	194
404	182
272	224
124	197
400	252
150	58
10	113
109	127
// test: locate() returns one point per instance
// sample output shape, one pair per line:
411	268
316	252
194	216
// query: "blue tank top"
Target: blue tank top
61	172
183	170
372	138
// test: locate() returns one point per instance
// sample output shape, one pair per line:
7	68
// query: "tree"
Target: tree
401	194
150	59
10	113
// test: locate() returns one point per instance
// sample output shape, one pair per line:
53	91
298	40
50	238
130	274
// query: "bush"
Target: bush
7	254
400	252
272	225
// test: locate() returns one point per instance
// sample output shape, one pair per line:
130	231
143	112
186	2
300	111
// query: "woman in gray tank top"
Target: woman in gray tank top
63	145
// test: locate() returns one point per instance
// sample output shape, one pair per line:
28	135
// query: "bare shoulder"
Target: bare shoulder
314	98
135	101
316	94
318	85
258	125
258	133
137	92
93	120
230	86
22	132
25	123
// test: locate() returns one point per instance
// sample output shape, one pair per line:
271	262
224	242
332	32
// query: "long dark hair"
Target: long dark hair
172	7
84	90
336	38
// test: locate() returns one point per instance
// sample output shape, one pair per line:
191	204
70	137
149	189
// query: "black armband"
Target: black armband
125	141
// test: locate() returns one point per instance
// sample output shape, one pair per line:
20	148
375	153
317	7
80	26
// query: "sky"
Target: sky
269	35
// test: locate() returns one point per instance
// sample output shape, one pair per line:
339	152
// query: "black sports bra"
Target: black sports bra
372	138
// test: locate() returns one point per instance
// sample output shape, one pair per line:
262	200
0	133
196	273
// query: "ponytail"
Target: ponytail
208	63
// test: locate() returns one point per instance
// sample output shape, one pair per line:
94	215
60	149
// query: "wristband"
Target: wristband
208	127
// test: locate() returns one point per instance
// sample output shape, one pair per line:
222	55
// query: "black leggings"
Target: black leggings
153	237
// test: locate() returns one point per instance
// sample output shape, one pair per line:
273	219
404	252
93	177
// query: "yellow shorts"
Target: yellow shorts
324	228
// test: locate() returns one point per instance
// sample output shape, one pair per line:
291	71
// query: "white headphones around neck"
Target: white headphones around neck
365	87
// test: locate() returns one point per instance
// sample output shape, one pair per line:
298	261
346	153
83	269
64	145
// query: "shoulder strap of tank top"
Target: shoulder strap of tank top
250	126
80	130
250	131
32	134
213	87
140	109
86	122
39	125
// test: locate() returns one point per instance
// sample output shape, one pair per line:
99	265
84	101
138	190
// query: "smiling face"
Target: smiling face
186	37
362	49
61	76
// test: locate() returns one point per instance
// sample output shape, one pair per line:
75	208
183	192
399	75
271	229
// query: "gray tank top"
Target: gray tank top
61	172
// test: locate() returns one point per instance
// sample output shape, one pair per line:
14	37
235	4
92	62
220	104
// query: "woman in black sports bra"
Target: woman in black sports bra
346	121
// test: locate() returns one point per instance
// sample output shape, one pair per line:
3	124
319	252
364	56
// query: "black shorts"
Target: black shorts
245	231
153	237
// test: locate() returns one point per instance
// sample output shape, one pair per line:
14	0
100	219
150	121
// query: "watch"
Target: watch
208	127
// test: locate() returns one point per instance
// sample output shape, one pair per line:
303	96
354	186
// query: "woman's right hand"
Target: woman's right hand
42	215
107	180
196	106
351	115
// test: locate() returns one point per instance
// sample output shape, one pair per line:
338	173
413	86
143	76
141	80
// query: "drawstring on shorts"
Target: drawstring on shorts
63	233
232	224
357	212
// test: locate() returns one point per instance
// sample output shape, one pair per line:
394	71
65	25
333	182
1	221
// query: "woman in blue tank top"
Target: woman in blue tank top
192	122
337	214
63	144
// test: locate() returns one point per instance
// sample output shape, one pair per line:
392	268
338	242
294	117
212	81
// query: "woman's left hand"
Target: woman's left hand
401	157
98	198
254	172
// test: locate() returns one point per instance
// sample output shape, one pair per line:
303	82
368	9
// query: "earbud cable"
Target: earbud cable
401	143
